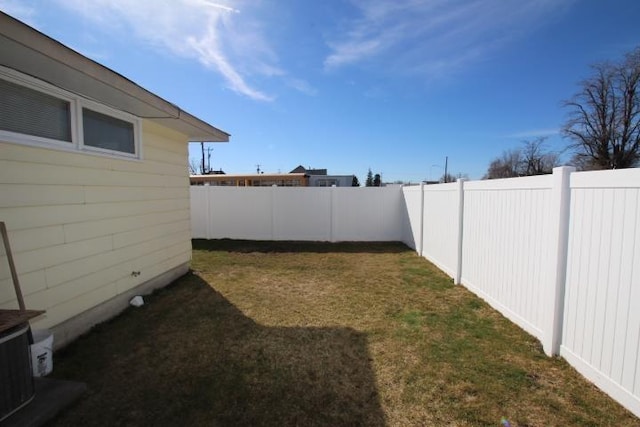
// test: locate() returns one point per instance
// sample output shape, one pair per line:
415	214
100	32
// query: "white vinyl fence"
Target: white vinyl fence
558	254
500	239
509	249
601	333
434	228
329	214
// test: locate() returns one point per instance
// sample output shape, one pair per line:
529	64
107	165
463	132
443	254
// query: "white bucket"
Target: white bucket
42	353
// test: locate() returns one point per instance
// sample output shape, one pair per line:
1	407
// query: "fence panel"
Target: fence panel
304	213
232	213
506	252
300	214
367	214
199	212
412	202
440	230
601	330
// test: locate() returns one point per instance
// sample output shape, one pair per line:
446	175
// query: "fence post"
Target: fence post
332	212
458	277
273	212
207	209
554	294
421	240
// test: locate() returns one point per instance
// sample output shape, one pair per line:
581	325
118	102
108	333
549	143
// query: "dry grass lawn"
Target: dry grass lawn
317	334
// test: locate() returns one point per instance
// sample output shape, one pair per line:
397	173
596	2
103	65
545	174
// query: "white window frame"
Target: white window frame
108	111
76	104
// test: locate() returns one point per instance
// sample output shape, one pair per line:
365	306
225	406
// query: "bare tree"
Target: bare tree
505	166
535	160
194	167
604	122
531	159
448	177
581	162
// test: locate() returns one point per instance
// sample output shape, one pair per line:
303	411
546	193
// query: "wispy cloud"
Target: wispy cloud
221	35
302	86
19	10
534	133
433	37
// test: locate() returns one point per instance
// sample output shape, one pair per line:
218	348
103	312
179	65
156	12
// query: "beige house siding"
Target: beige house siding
80	225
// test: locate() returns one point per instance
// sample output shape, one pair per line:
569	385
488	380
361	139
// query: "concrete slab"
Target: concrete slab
51	397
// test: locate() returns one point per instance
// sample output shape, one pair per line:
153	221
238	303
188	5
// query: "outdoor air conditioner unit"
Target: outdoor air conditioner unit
16	377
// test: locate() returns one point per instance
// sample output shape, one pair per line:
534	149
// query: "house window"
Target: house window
327	182
106	132
36	113
27	111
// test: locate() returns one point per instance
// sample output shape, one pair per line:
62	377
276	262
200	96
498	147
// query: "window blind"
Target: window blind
24	110
107	132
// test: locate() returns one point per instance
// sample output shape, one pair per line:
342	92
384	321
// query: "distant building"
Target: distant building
330	180
252	180
320	178
302	169
299	177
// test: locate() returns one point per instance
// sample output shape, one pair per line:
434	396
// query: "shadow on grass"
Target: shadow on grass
190	357
286	246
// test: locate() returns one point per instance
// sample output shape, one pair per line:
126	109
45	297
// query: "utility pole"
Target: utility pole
446	164
202	148
209	150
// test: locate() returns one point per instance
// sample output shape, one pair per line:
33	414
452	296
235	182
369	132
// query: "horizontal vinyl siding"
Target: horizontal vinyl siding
80	224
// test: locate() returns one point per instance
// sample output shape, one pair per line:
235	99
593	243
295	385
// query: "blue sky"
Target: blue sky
395	86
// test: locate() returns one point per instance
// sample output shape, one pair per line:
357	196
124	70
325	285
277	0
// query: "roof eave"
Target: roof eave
29	51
